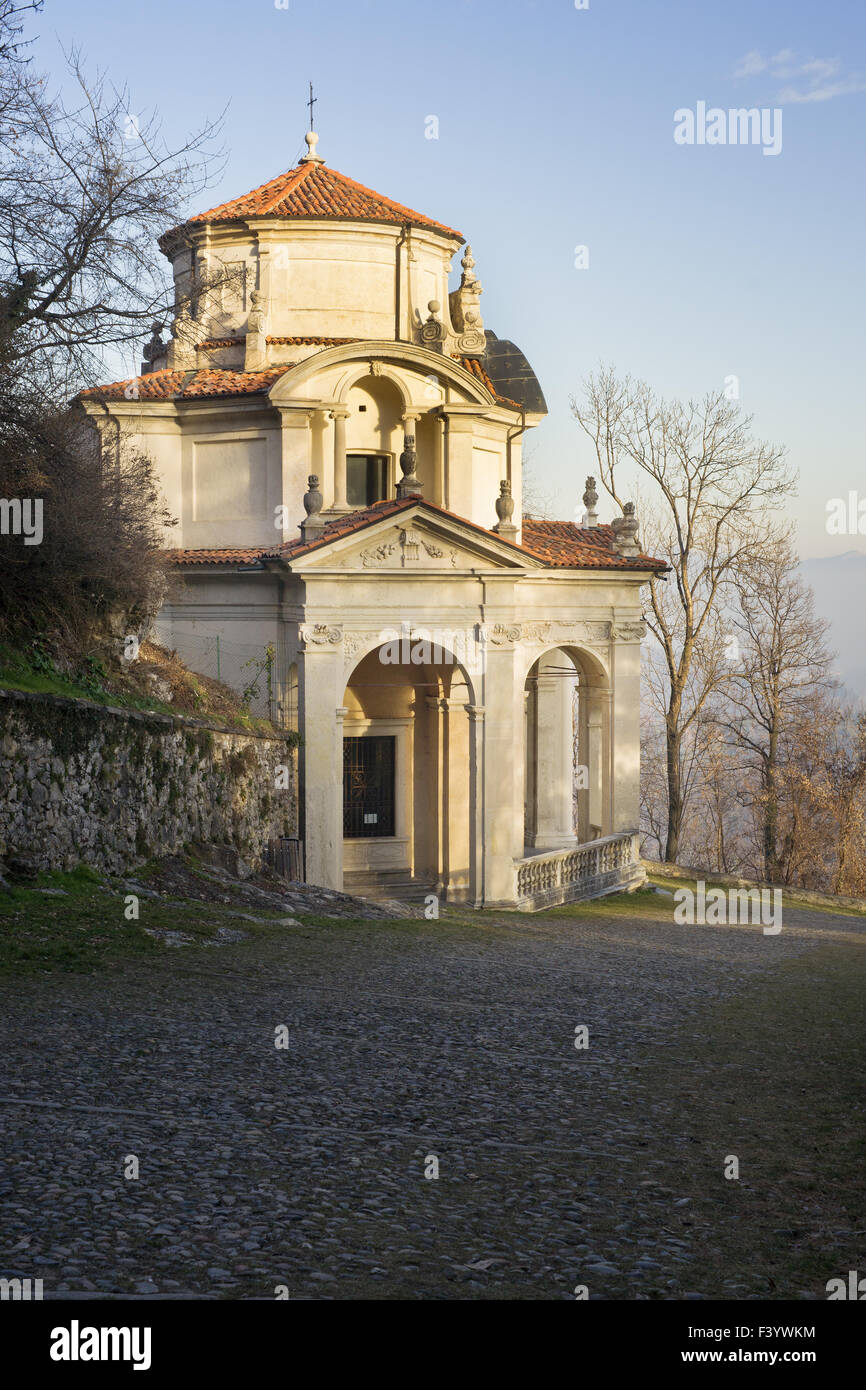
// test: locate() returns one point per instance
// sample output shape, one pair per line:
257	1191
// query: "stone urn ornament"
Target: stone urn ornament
625	530
505	510
590	502
409	482
314	522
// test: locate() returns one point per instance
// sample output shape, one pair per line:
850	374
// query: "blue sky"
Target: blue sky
556	131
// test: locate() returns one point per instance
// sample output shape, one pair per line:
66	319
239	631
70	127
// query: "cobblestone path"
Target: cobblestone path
304	1166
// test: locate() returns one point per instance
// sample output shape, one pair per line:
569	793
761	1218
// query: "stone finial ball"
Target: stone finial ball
434	306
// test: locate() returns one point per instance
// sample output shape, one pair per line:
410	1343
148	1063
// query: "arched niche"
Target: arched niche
566	749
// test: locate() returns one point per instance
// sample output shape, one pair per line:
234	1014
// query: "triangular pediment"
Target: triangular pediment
416	540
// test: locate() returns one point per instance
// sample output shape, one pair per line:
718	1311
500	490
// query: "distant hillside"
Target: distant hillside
839	585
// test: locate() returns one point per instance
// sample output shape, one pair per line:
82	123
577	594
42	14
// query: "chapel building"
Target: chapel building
339	437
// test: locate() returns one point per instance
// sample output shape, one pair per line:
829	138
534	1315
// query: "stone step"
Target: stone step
380	886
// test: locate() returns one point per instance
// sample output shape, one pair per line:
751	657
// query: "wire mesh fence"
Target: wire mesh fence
250	668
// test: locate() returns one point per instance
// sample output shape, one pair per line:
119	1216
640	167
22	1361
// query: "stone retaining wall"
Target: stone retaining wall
82	783
807	895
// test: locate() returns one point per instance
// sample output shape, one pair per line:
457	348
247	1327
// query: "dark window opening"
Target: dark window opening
368	787
366	479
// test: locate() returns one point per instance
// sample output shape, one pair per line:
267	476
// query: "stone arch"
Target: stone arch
590	662
409	796
289	704
389	356
444	648
567	733
358	371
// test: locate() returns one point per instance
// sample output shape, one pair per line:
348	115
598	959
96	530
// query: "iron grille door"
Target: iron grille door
368	786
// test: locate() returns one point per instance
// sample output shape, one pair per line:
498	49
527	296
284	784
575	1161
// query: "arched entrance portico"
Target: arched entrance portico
414	778
409	760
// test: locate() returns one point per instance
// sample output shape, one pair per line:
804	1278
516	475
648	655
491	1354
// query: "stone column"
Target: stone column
437	491
339	415
502	775
554	743
528	768
318	427
477	856
435	770
595	763
321	714
625	726
458	800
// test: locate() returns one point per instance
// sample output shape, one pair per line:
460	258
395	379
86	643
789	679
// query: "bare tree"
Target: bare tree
101	531
846	775
782	663
822	796
12	45
538	502
653	788
86	187
714	489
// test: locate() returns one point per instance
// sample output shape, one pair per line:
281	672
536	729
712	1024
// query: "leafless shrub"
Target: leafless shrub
99	558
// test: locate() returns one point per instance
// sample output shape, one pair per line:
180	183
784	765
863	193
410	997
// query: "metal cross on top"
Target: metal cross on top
311	103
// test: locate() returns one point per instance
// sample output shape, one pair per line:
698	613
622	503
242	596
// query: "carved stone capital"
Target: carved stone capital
320	635
502	634
628	632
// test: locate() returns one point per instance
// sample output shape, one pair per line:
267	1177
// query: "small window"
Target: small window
366	479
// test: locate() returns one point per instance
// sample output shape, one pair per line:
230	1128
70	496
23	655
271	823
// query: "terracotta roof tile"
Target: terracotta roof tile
313	191
191	385
213	382
227	555
562	545
154	386
324	342
240	339
345	525
558	544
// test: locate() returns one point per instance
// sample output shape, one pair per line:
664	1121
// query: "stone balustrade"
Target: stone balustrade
609	865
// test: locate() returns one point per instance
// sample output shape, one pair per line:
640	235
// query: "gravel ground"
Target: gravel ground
304	1166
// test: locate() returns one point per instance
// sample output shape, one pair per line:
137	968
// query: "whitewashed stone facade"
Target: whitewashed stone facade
339	437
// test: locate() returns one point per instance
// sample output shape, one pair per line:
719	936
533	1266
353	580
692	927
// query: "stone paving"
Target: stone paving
304	1166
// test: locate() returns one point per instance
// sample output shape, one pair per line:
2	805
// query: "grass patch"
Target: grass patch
643	903
105	681
776	1078
37	674
82	930
789	896
75	922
